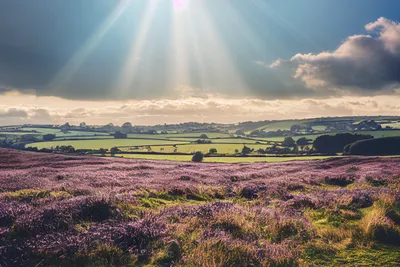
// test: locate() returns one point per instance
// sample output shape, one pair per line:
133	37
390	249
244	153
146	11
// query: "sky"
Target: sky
172	61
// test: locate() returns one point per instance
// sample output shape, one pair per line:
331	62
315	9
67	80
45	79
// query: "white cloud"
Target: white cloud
364	64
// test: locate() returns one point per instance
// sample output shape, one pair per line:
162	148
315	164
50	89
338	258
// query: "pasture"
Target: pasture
59	133
102	143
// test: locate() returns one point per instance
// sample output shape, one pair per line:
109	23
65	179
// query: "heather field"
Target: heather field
58	210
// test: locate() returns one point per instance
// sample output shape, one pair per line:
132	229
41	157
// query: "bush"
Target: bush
289	142
114	150
119	135
49	137
246	150
213	150
340	180
198	157
302	141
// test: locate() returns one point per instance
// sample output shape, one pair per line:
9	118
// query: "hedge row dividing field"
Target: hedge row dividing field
58	210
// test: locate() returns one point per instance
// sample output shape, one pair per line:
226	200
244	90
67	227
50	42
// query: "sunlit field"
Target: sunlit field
59	133
106	143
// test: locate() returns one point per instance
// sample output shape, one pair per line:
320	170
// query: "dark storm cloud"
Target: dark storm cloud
363	63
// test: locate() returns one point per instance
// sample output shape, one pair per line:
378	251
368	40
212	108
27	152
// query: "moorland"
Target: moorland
63	210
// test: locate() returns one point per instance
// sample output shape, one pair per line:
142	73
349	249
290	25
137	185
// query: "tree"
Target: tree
119	135
127	127
236	150
198	157
213	150
255	133
82	125
240	132
246	150
376	147
336	143
203	136
49	137
302	142
103	152
114	150
288	142
66	125
261	151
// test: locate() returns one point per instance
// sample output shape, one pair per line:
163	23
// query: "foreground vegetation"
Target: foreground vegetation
83	211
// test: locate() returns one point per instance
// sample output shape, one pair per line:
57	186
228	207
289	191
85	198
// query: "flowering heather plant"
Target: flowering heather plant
87	211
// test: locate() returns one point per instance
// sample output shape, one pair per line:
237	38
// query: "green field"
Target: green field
319	128
18	133
87	137
192	148
223	159
58	133
195	135
394	125
283	126
233	141
104	143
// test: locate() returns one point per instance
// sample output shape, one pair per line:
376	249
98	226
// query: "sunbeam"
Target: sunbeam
81	55
128	72
200	57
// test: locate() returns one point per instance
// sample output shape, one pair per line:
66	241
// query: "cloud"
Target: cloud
13	113
365	64
210	109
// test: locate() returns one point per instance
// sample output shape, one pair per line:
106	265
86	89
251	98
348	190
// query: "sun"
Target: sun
180	4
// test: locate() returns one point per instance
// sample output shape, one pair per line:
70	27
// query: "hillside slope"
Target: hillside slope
58	210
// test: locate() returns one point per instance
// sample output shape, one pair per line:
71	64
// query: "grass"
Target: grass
395	125
88	137
197	135
18	133
58	133
284	125
97	144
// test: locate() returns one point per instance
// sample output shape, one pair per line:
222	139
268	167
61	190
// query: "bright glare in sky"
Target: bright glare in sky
180	4
198	60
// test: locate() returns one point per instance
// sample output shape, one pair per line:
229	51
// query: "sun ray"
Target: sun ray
129	70
81	55
199	50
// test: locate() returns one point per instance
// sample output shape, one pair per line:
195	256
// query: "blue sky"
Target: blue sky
142	50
